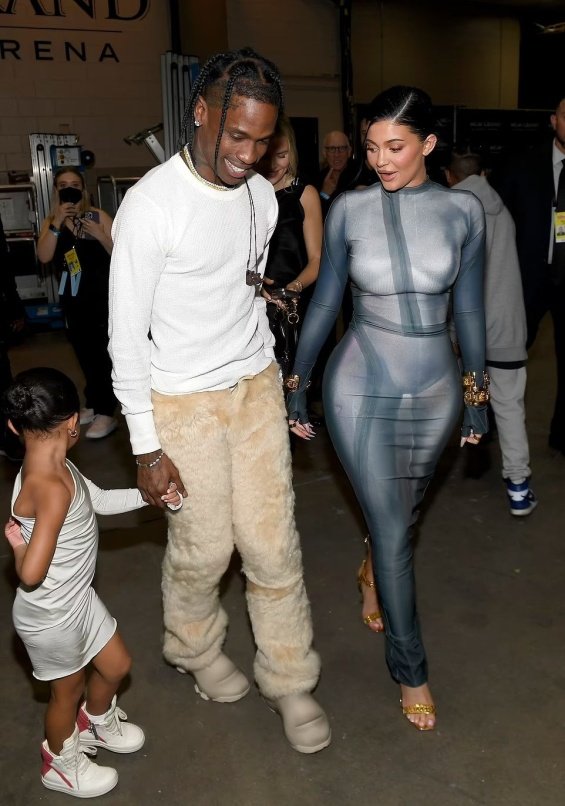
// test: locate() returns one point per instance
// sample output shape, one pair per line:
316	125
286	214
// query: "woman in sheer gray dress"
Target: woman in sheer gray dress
393	388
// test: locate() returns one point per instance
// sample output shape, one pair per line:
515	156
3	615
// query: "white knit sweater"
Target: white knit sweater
178	271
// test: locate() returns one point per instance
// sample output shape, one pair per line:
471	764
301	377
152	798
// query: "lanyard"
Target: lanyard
74	269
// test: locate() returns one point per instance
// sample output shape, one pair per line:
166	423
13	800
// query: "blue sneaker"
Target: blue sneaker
521	497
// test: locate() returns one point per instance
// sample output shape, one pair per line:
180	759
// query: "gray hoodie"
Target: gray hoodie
504	301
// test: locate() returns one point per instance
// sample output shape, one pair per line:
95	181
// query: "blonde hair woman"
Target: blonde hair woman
296	245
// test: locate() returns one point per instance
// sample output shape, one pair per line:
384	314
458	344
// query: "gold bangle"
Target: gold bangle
291	382
473	394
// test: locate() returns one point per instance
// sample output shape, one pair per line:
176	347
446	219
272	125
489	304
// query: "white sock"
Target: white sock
97	719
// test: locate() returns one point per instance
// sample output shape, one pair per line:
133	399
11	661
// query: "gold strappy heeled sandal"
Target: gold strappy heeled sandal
415	710
362	579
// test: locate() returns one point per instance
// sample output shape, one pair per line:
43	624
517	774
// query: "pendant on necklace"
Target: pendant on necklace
253	277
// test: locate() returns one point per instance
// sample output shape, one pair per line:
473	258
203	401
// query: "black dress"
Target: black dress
86	316
287	258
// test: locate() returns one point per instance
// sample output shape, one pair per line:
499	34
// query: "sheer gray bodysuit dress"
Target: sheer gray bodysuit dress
392	388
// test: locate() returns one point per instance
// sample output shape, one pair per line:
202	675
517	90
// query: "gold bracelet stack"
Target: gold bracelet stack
291	383
473	394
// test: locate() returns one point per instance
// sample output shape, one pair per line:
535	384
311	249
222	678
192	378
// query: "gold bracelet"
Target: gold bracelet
149	464
291	382
475	395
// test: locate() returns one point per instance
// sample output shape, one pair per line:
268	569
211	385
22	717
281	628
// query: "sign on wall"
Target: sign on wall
90	67
80	19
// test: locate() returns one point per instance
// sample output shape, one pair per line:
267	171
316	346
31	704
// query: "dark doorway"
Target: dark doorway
541	54
307	144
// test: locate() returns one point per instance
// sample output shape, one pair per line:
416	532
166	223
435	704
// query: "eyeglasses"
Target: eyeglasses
336	149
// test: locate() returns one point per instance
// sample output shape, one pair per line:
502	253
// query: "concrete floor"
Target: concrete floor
491	600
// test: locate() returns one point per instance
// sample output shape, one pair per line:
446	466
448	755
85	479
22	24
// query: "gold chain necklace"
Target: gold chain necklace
286	180
252	276
185	154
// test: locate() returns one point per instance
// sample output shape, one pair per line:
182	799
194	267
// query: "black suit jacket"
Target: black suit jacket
345	182
528	191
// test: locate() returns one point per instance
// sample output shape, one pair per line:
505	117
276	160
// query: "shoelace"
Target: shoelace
84	762
113	725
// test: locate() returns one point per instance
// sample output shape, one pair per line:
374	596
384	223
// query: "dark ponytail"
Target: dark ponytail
40	399
406	106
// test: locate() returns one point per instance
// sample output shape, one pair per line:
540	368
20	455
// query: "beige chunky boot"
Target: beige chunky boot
221	681
305	724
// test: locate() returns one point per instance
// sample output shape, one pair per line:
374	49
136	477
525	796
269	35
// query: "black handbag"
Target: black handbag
284	319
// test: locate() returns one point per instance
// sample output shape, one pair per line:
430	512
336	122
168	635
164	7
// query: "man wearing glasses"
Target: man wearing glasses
338	168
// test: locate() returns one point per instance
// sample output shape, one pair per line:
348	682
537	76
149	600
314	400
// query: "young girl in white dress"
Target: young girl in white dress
57	613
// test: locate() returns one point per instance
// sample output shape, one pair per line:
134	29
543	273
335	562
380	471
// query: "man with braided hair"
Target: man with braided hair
202	395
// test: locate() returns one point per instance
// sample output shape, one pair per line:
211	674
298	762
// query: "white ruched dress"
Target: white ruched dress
61	621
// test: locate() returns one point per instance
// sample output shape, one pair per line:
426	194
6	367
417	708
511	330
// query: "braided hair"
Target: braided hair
238	72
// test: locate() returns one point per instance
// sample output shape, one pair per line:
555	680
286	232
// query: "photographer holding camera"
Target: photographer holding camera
77	239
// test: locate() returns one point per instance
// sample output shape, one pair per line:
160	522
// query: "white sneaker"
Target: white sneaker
305	724
102	425
73	773
86	416
112	732
221	681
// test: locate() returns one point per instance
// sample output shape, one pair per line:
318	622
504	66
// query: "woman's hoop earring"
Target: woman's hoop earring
73	433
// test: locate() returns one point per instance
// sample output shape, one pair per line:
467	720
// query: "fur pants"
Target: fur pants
232	451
